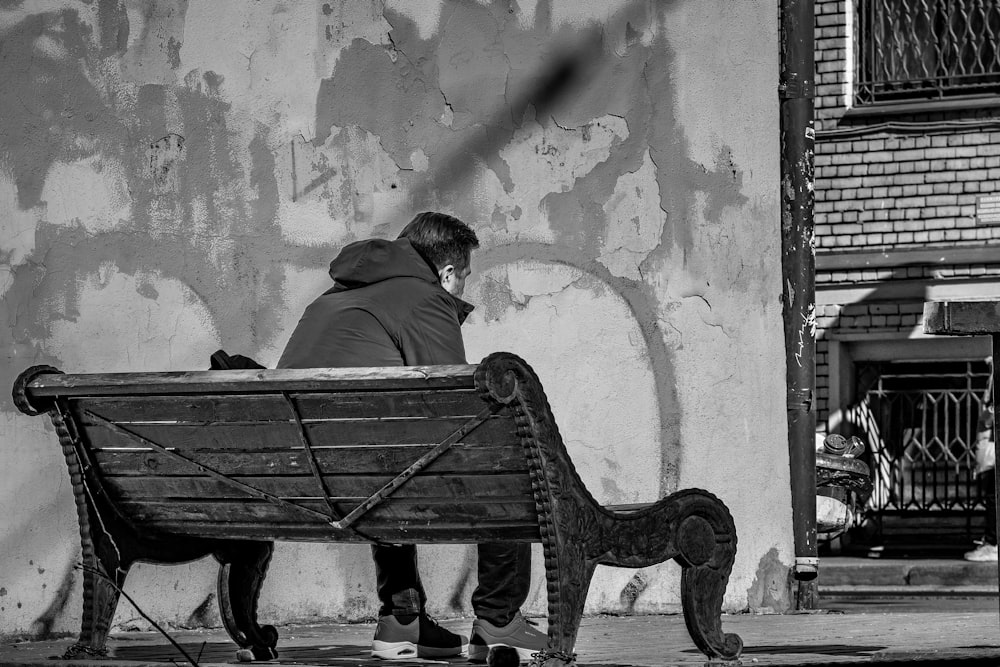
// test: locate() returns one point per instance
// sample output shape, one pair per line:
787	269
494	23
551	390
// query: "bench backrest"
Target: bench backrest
310	445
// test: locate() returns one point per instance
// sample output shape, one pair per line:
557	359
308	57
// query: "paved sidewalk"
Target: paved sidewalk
963	637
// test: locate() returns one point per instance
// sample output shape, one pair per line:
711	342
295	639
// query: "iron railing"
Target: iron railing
919	420
925	49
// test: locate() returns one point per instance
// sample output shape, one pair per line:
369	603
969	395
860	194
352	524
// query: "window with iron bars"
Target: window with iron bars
920	421
922	50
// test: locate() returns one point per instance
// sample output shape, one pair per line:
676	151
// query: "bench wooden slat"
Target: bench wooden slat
410	512
524	531
273	408
240	436
254	381
471	488
628	508
342	460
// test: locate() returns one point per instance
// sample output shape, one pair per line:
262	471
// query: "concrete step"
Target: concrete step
874	577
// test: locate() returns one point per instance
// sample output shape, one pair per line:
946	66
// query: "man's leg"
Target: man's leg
987	551
398	580
504	578
989	486
404	630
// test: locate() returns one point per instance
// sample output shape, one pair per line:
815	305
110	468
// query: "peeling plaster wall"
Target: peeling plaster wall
176	174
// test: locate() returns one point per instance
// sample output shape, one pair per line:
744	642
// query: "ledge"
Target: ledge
909	291
856	575
962	318
867	259
880	110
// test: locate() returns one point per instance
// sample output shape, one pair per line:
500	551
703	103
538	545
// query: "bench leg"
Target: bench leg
241	576
107	550
104	572
110	548
695	528
706	540
567	573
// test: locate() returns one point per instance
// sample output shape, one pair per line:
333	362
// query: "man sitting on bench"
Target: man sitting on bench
396	303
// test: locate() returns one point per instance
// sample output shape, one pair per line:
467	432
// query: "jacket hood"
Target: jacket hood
374	260
371	261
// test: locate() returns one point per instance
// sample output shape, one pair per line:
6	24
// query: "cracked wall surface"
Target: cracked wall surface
175	176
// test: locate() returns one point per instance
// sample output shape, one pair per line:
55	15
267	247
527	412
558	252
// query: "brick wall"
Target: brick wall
913	184
903	181
886	191
871	317
832	41
857	321
919	272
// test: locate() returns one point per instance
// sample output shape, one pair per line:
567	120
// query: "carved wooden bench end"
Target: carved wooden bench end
692	526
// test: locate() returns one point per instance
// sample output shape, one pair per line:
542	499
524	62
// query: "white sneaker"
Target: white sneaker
420	638
520	634
984	553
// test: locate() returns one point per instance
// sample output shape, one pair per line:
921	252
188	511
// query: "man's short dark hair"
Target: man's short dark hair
441	239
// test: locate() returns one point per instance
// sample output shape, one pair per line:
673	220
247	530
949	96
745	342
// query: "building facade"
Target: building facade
907	210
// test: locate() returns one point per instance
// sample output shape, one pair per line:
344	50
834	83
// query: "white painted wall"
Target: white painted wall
175	181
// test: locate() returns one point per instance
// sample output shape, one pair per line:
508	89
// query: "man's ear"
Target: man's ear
446	273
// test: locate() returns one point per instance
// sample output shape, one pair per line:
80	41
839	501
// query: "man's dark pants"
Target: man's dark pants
988	488
504	577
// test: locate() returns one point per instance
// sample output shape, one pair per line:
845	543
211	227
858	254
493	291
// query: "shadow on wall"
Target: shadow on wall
887	424
856	318
583	79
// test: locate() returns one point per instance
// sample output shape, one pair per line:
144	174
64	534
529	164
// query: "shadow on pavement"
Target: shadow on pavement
216	652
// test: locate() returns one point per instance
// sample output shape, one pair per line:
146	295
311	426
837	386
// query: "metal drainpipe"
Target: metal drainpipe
798	263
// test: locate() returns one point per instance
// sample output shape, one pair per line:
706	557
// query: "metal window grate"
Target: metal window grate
926	49
919	420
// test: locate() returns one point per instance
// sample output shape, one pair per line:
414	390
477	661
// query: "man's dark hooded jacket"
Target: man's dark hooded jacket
386	308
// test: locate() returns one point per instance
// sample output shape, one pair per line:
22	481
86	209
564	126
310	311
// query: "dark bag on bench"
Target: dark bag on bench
222	361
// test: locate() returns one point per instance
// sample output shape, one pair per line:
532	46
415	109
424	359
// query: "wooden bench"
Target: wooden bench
168	467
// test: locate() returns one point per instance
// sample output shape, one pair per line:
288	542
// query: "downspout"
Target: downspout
798	263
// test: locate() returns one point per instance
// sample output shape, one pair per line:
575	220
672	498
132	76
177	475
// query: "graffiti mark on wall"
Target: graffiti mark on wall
165	156
807	330
326	174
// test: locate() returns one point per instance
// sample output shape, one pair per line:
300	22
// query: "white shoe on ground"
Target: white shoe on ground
984	553
520	634
420	638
